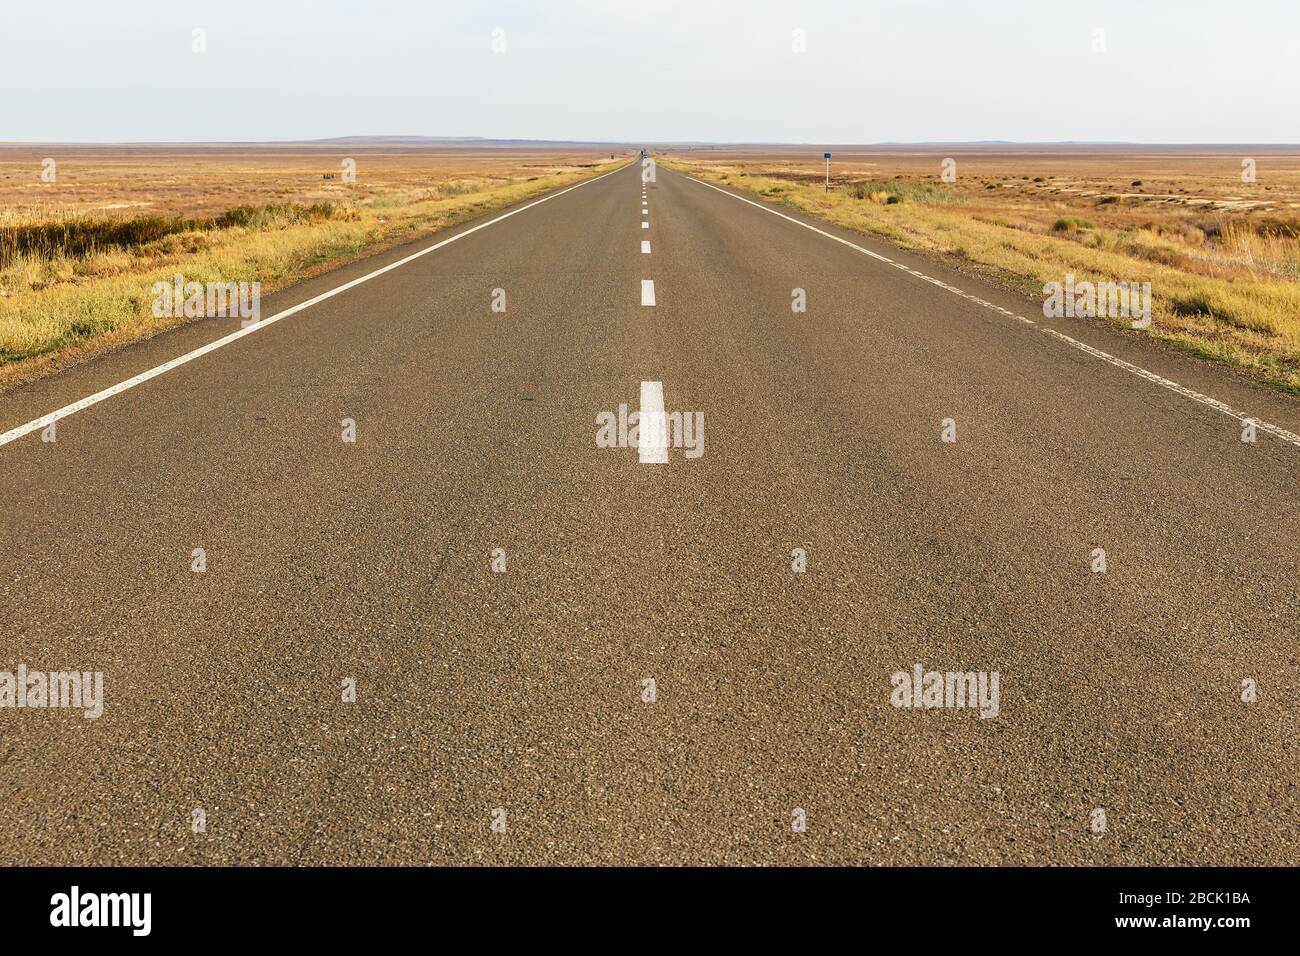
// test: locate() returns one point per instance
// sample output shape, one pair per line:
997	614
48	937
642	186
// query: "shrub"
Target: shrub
895	191
76	237
1072	224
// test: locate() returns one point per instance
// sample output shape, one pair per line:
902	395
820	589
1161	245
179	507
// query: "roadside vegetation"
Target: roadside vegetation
74	282
1225	281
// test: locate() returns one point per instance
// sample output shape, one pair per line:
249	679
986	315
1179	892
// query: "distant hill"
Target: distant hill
454	141
411	140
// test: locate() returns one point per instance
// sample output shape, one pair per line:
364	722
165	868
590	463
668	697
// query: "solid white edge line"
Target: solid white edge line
36	424
1276	431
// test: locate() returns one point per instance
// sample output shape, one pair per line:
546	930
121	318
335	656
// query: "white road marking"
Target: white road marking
1276	431
81	404
645	212
645	225
647	291
645	246
652	426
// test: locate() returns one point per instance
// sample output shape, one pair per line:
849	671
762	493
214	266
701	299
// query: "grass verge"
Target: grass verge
1231	297
72	287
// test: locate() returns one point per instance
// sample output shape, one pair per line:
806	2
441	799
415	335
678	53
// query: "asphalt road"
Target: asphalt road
524	691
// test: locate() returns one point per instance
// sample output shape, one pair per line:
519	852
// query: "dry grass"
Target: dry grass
78	257
1222	256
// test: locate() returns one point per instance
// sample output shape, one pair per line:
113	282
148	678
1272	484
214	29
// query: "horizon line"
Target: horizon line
419	139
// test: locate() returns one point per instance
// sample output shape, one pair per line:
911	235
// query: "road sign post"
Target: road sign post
827	157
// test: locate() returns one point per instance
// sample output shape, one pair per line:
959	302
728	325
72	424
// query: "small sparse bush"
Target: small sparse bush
276	214
178	244
458	187
895	191
1072	224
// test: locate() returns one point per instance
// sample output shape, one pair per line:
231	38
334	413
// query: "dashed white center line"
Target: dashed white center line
652	429
645	225
645	246
645	212
647	291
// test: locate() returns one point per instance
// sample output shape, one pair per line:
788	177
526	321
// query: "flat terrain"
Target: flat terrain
80	253
190	180
523	691
1165	182
1221	254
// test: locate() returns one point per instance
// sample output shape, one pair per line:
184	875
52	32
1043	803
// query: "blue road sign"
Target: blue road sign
826	155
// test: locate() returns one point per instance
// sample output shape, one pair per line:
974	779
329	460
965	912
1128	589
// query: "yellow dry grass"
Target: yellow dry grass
1223	269
56	307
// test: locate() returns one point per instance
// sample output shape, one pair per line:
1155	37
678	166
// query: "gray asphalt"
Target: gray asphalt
523	691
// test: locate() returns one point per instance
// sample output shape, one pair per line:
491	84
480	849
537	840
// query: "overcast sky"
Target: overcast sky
1175	71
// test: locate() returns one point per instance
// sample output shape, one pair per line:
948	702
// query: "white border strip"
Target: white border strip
36	424
1290	438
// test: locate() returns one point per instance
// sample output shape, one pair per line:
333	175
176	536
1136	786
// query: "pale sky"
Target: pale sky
1172	71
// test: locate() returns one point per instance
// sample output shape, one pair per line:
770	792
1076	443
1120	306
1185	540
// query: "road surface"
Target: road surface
523	698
